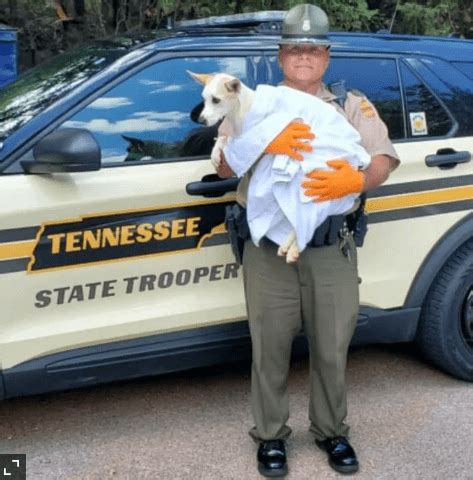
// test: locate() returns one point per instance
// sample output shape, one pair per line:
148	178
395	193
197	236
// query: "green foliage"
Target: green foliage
42	34
433	18
348	15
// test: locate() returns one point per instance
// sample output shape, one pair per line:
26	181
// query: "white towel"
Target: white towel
276	204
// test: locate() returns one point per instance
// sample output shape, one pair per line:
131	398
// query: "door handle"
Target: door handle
212	186
447	158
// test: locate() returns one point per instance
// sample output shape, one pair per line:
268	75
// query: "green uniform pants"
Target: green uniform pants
319	292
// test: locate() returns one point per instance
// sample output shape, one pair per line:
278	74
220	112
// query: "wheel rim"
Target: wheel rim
467	319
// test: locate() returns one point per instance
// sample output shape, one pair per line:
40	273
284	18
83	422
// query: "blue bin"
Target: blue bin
8	55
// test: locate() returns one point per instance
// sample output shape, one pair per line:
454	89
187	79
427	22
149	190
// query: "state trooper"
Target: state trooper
320	292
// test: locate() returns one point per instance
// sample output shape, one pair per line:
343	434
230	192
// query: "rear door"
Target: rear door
124	252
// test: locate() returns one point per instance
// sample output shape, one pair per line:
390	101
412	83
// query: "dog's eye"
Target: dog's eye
215	100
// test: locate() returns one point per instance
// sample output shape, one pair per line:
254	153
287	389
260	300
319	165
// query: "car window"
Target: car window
147	116
376	78
451	86
426	116
36	89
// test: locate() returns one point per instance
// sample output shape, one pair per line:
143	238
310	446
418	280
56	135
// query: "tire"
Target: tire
445	333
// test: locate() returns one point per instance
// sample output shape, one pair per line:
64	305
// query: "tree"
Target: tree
46	27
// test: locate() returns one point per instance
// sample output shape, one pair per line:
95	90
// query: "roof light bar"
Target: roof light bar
239	19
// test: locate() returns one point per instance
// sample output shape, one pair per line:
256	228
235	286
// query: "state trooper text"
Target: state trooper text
134	284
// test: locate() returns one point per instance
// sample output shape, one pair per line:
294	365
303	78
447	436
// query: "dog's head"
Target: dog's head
221	96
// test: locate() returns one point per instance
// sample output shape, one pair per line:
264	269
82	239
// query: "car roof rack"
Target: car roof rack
264	21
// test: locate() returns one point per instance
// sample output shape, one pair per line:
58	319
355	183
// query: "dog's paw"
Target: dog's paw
289	249
282	250
216	156
292	255
216	160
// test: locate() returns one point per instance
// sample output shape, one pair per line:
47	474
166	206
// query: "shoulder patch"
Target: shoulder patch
367	110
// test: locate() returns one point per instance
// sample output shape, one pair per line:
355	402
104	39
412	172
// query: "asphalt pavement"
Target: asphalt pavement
408	421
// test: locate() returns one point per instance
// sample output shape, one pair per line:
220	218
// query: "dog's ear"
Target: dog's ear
202	78
233	86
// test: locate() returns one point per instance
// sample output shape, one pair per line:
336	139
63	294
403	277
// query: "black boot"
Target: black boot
272	458
341	455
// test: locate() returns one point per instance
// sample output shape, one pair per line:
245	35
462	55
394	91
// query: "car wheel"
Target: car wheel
445	332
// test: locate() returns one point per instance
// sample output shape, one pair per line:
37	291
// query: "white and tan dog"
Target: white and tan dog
224	97
227	97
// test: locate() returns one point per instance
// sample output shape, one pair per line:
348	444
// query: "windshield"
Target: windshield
39	87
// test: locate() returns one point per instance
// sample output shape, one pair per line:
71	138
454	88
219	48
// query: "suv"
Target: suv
114	258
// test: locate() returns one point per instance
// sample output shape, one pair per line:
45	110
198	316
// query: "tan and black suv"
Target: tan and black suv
114	259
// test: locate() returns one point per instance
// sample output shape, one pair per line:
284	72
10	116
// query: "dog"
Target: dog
227	97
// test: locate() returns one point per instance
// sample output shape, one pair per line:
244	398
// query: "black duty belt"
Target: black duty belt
327	233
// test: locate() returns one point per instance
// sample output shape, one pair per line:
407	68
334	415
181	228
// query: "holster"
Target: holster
357	222
237	228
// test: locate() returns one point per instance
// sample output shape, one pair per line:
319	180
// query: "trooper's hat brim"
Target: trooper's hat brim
301	40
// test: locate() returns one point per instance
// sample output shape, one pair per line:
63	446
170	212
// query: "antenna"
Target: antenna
394	16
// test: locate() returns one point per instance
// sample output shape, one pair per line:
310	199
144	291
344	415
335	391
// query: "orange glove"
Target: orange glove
288	141
332	184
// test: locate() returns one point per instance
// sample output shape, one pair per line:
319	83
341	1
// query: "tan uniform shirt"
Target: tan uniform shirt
362	114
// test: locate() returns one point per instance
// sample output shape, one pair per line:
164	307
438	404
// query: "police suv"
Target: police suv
114	257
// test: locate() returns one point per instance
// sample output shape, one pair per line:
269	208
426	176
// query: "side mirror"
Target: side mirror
65	150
